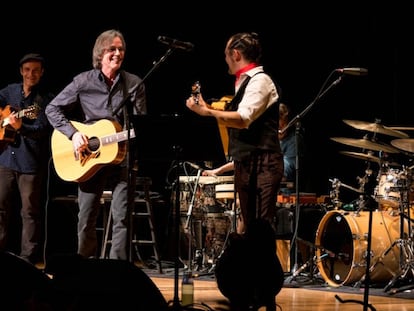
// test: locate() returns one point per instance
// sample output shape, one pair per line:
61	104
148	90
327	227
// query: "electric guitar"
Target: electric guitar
7	132
106	145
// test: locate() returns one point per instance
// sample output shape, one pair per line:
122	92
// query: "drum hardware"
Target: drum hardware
310	264
404	243
334	194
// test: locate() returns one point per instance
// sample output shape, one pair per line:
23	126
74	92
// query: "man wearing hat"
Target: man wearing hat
24	154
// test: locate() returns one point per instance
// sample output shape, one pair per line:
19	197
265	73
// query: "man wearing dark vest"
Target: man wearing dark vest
252	122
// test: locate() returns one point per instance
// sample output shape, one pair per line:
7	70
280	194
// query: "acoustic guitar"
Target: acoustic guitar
106	145
7	132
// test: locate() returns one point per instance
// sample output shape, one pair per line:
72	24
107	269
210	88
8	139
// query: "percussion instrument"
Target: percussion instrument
211	222
376	128
365	144
205	194
390	185
341	241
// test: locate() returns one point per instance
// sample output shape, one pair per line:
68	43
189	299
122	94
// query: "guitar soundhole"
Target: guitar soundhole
93	144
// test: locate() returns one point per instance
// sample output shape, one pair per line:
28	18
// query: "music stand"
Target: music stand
177	138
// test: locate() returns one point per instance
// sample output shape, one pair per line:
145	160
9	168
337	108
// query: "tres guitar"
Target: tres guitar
106	146
7	132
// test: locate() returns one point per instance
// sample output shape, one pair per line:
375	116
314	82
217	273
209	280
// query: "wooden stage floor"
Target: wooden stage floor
208	297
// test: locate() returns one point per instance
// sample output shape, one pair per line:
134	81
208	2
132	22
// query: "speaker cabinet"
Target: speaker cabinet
102	284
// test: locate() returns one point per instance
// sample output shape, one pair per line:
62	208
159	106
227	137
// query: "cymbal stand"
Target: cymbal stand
365	303
334	194
297	120
310	264
405	242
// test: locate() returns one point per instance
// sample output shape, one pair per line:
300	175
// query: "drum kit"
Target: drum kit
341	244
208	217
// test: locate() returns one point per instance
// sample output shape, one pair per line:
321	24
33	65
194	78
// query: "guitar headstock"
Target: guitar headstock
195	90
32	111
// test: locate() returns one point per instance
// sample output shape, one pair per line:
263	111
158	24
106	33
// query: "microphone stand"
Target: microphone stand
297	122
189	223
176	300
156	65
131	169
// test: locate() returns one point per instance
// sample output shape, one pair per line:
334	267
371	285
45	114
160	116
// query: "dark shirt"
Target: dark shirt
288	146
96	100
29	150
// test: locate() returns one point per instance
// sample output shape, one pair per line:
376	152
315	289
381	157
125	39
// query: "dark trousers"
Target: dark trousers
257	181
29	188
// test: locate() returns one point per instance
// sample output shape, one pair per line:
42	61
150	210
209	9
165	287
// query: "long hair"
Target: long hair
103	41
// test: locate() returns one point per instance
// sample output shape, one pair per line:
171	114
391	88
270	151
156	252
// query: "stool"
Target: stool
143	209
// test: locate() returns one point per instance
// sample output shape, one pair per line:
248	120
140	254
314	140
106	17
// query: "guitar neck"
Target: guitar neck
20	114
117	137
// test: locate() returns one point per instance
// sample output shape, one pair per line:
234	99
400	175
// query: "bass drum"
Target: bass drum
342	240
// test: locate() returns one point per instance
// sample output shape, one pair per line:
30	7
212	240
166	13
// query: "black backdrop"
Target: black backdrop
302	44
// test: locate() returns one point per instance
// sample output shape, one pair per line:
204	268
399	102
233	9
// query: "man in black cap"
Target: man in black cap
24	137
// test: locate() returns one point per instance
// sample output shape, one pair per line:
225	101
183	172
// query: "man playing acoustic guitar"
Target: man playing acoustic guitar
24	135
100	94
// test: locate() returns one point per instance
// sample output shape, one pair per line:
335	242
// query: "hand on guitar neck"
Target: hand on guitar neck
195	91
10	120
220	104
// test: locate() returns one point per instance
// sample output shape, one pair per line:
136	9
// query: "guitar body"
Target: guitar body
7	132
106	146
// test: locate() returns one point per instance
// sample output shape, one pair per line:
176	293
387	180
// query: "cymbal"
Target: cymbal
363	156
402	128
365	144
368	157
376	128
406	144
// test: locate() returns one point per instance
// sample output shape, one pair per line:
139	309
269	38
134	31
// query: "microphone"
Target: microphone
193	165
176	44
353	71
198	167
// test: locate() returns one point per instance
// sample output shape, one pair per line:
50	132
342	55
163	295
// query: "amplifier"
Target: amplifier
310	216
